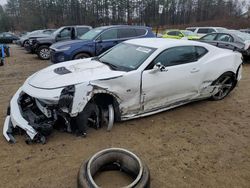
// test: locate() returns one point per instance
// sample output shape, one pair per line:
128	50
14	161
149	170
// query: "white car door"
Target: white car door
178	82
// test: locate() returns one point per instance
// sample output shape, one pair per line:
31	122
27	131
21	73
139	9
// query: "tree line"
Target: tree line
35	14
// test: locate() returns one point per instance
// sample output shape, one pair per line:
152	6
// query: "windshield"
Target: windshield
90	35
49	32
56	32
243	36
126	57
188	33
34	32
221	29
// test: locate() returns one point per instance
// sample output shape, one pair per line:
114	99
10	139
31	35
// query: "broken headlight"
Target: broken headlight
66	99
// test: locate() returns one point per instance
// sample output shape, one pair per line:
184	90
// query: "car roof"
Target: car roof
75	26
119	26
172	30
185	30
206	27
161	43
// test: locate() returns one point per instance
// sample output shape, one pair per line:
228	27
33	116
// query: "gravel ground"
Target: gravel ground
203	144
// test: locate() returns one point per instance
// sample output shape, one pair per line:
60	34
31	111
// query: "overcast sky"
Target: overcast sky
2	2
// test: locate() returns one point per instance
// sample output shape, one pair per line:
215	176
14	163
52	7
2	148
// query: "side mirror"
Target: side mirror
59	35
158	67
98	40
181	35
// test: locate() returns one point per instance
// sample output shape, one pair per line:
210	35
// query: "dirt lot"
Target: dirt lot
203	144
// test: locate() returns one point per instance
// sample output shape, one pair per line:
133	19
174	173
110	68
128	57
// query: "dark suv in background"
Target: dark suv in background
97	41
24	40
41	45
7	37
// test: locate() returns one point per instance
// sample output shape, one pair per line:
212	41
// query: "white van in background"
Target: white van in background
201	31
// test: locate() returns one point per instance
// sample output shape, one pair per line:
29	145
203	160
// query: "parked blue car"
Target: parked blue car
96	41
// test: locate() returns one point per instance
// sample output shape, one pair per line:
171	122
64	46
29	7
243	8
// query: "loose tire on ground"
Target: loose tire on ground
114	159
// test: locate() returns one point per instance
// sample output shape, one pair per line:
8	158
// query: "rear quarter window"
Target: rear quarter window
209	37
211	30
191	30
140	32
126	33
81	30
173	33
200	52
203	31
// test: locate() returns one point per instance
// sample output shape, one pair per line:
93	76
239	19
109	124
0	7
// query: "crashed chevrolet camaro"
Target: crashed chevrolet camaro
136	78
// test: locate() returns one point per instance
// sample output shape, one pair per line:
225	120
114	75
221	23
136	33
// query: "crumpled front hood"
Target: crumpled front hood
62	44
71	73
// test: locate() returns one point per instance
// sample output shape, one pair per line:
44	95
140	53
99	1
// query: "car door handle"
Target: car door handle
194	70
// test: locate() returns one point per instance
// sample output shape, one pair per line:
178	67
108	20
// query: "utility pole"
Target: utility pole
160	11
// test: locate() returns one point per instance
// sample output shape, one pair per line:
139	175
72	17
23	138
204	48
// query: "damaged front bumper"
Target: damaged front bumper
15	119
34	114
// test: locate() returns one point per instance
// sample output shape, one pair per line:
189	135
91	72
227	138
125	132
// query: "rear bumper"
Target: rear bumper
15	119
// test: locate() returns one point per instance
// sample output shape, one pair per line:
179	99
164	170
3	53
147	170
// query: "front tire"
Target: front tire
25	43
89	117
43	52
225	84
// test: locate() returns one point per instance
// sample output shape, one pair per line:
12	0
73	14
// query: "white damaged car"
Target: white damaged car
136	78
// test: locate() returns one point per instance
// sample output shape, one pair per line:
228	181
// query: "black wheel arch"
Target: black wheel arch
237	73
82	52
104	99
24	42
227	73
43	44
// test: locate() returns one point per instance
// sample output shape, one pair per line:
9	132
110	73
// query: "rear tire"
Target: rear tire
43	52
82	56
226	84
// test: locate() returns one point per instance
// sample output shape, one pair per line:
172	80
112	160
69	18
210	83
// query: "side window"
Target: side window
140	32
172	33
191	29
66	32
203	30
209	37
211	31
8	35
200	52
126	33
224	38
108	35
177	56
178	33
81	31
47	31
